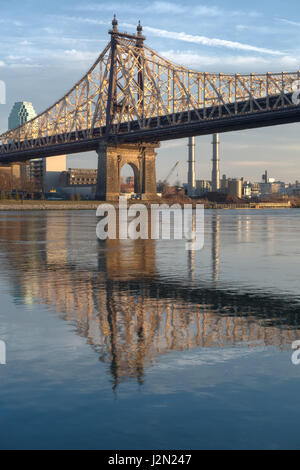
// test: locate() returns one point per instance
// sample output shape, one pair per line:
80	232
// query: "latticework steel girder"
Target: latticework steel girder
130	88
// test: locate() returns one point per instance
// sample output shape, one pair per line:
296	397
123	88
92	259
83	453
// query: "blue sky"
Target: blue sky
45	47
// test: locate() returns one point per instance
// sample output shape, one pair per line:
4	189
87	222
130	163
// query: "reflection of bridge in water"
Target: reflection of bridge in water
129	314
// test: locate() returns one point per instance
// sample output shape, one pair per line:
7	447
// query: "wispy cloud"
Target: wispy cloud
190	58
231	63
179	36
257	29
203	10
290	22
259	163
9	21
211	42
253	163
165	7
80	19
74	54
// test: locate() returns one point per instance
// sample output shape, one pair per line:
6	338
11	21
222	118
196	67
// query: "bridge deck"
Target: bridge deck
206	121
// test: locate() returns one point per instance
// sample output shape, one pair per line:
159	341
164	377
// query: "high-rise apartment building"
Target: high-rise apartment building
44	173
22	111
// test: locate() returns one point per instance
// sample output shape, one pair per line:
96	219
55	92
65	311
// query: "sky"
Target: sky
45	47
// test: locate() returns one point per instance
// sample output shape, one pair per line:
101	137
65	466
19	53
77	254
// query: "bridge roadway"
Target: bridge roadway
215	119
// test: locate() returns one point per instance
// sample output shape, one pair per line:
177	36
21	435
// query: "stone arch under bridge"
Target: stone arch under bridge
141	158
136	174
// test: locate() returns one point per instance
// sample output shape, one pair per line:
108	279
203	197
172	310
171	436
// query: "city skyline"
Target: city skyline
57	41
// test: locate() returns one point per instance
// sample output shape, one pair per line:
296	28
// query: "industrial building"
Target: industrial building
78	181
202	187
235	188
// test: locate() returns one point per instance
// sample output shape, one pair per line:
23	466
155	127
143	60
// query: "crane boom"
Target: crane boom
170	173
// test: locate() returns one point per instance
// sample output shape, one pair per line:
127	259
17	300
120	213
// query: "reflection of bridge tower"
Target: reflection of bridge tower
215	245
191	252
140	156
129	259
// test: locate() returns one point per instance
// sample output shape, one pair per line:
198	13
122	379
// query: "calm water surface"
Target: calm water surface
143	345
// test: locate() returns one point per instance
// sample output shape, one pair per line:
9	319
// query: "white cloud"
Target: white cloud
258	29
112	7
203	10
164	7
76	55
231	63
257	163
293	23
25	43
79	19
26	66
179	36
211	42
248	163
50	30
189	58
7	21
276	146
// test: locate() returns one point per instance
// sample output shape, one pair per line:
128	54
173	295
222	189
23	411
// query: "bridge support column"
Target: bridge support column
141	157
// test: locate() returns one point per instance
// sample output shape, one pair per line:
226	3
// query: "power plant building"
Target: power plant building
235	188
191	168
215	179
79	181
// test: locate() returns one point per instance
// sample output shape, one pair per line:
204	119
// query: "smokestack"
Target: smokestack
265	177
215	180
191	172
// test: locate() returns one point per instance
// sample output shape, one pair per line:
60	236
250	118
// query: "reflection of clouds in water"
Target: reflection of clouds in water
208	357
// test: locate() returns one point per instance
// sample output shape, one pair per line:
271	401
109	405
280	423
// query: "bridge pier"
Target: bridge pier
141	157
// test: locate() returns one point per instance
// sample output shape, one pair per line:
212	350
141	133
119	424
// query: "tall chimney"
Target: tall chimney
191	172
215	180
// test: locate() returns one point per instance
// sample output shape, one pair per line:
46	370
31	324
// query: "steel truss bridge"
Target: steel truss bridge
132	95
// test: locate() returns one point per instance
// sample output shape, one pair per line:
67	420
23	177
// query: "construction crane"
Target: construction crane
170	173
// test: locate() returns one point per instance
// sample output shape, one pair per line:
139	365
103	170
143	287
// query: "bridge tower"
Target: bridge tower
140	156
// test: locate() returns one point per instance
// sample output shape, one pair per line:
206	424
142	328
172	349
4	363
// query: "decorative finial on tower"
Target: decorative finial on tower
140	37
139	29
115	24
